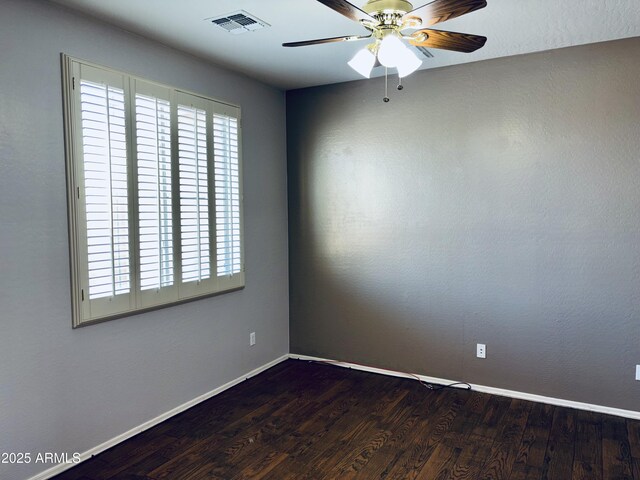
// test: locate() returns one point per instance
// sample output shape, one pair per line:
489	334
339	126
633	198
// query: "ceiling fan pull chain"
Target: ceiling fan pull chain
400	86
386	85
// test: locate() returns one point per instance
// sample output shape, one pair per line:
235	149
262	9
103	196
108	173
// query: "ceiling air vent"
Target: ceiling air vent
239	22
425	52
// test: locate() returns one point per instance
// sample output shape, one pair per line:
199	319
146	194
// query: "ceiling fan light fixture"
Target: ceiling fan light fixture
391	50
408	63
363	62
387	21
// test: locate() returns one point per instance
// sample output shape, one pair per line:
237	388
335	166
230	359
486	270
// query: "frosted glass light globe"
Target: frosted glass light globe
363	62
407	63
391	49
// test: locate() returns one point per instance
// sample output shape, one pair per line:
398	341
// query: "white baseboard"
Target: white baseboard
57	469
482	388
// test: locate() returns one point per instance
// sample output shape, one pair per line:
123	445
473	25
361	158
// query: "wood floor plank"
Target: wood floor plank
402	423
262	467
474	450
428	435
560	448
633	430
587	458
255	444
473	456
505	447
325	438
192	460
530	459
495	410
318	434
465	423
148	463
617	462
440	464
309	421
357	458
89	469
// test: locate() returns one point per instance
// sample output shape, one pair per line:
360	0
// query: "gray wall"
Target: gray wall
64	390
496	202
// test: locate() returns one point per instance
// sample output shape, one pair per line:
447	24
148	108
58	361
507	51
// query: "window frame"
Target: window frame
87	311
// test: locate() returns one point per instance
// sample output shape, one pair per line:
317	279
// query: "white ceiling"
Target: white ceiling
512	27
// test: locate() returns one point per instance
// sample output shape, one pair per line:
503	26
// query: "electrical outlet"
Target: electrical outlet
481	351
252	339
637	372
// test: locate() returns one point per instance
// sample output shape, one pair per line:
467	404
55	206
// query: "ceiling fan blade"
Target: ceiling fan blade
458	42
326	40
443	10
348	10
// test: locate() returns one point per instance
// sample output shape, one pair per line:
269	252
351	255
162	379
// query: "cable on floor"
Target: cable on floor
427	385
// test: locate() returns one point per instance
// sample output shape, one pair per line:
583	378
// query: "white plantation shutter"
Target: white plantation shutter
155	193
155	216
99	192
106	194
227	196
194	194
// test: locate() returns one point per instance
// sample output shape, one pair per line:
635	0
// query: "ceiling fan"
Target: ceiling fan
388	19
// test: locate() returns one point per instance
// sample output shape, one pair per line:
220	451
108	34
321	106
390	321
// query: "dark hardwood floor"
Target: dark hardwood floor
308	421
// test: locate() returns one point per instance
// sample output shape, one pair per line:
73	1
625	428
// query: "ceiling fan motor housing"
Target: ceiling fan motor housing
390	17
374	7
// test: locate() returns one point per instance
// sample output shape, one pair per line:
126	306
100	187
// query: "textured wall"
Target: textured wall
64	390
496	202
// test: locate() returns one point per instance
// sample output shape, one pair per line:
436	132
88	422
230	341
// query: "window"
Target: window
155	193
